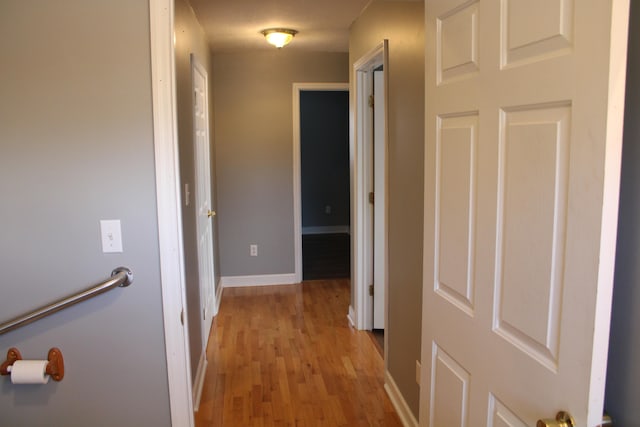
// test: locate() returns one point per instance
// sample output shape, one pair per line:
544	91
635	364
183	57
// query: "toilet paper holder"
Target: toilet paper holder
55	367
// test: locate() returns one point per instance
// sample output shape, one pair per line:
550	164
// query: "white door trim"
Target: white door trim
165	143
361	179
381	205
297	197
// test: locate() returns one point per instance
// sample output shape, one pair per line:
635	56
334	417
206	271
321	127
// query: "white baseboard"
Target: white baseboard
198	383
264	280
327	229
404	412
351	315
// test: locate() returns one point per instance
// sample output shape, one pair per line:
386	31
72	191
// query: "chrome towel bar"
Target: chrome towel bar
120	277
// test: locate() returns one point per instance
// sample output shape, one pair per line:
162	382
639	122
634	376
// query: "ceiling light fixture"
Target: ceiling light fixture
279	37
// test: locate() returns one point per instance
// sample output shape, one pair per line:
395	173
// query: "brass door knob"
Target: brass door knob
563	419
211	213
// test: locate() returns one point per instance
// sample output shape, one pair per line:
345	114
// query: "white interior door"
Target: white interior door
379	206
523	137
204	213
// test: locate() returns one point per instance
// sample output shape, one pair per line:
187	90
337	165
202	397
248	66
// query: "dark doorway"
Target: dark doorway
325	256
324	166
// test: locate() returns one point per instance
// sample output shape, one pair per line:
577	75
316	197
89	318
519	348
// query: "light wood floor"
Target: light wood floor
286	356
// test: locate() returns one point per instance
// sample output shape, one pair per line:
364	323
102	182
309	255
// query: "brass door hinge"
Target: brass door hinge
370	290
182	317
371	103
371	197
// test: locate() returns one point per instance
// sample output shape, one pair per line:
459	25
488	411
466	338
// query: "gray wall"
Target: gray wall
254	152
190	38
324	158
623	376
76	147
402	23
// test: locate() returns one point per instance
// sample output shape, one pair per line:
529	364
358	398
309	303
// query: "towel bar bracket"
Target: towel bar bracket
128	278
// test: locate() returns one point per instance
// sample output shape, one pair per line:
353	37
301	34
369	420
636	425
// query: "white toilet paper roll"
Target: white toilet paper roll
29	372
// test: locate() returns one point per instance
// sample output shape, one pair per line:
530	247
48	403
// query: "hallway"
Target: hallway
286	356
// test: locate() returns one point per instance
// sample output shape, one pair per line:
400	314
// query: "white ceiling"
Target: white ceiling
323	25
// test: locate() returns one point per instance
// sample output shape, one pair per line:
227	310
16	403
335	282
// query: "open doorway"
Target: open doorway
324	178
321	180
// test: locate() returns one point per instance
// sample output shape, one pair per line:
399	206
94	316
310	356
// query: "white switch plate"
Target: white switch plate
253	250
111	235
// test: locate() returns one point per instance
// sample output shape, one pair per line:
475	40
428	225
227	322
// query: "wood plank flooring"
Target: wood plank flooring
326	256
286	356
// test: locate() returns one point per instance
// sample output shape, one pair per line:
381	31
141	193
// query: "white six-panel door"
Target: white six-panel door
524	105
204	213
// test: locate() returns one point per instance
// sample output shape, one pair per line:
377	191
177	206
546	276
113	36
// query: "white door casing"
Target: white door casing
380	200
165	143
524	111
204	213
362	219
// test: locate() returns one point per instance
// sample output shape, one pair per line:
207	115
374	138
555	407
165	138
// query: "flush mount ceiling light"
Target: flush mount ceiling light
279	37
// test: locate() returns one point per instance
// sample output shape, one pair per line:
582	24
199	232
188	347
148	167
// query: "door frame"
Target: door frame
381	192
297	177
361	152
172	277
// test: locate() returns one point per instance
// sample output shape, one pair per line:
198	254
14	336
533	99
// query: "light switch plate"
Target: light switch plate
111	235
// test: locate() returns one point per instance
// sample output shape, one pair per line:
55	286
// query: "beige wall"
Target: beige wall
254	147
190	38
402	23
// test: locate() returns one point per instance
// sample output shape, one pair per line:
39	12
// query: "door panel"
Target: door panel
501	416
535	31
449	391
524	104
457	41
455	194
532	200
